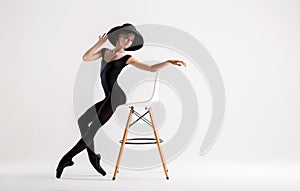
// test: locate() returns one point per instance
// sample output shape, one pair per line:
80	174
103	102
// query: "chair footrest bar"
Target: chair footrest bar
134	141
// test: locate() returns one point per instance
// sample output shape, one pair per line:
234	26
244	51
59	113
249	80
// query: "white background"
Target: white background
256	45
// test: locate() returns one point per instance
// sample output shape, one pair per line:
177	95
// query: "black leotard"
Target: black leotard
110	71
101	112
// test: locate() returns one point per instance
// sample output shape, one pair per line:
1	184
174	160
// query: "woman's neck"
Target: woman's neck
118	50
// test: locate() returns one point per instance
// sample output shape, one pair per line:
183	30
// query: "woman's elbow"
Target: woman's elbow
85	58
153	69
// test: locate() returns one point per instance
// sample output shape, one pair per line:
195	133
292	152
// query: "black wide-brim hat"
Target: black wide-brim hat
126	28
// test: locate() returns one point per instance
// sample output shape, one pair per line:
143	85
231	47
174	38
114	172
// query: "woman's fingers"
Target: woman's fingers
103	36
175	62
183	63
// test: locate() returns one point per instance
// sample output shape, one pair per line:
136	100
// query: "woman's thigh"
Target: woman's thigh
88	116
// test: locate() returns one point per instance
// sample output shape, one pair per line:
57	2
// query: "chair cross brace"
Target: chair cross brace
141	117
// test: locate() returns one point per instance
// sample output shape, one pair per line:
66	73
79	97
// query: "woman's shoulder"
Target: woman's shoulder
103	50
131	59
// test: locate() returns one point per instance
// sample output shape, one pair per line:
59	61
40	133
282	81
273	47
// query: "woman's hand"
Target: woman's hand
102	38
177	62
91	54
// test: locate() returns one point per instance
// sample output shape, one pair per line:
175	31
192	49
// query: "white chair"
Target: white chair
147	105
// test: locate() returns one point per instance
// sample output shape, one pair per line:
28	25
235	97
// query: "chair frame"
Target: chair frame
145	104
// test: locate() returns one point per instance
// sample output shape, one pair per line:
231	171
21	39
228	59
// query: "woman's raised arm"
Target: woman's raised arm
155	67
90	55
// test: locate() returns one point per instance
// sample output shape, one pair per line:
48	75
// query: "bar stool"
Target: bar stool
146	104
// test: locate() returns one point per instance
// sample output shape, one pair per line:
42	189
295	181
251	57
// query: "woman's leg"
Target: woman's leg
101	117
91	131
83	123
104	109
88	116
116	98
67	158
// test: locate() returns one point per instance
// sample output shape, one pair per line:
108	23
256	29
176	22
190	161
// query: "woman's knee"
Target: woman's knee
83	125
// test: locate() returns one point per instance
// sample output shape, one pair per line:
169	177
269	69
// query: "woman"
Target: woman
124	38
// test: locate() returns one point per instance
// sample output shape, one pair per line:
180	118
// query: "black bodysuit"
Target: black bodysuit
100	113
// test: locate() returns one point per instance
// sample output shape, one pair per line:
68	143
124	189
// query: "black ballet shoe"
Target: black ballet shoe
62	164
95	161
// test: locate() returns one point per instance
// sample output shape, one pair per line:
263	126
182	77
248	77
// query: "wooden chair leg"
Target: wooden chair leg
123	143
158	144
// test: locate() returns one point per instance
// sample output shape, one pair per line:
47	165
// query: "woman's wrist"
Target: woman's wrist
100	43
169	62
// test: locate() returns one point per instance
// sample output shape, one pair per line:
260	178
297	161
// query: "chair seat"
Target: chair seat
145	104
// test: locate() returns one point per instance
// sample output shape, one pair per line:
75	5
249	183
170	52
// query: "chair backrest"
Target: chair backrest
155	93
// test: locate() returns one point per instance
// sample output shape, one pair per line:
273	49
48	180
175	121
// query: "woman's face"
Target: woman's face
125	40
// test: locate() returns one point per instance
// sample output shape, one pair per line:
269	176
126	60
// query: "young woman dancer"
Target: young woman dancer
124	38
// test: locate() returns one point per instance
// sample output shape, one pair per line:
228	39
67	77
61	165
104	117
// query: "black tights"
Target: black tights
91	121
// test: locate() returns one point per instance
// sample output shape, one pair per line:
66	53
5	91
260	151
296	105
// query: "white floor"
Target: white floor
189	174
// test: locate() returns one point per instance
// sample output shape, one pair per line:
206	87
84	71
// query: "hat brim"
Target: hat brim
136	44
